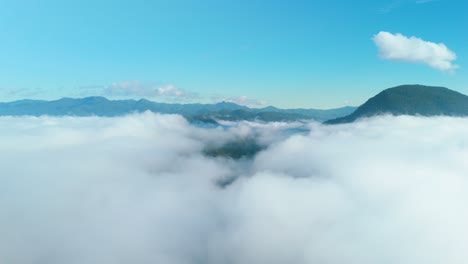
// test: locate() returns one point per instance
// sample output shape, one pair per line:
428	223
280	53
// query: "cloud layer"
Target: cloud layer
138	189
415	50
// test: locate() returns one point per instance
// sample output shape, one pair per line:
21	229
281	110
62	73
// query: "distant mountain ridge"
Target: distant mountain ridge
410	100
101	106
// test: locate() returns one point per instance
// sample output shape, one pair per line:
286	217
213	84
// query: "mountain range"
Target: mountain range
410	100
100	106
401	100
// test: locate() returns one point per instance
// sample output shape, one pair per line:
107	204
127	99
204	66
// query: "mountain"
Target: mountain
101	106
411	100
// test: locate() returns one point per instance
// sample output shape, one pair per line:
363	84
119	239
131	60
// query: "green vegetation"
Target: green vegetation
411	100
240	148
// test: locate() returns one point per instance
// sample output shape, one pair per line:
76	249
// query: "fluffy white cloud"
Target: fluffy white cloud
139	89
412	49
138	189
240	100
172	91
169	92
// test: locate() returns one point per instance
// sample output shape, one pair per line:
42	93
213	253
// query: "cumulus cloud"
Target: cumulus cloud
139	89
168	92
240	100
415	50
172	91
138	189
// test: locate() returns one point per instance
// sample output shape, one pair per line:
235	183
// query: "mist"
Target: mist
141	189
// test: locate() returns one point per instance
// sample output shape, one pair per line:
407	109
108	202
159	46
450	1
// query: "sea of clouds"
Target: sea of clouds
139	189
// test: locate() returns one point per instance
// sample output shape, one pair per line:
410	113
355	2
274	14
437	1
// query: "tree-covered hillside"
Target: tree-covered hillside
411	100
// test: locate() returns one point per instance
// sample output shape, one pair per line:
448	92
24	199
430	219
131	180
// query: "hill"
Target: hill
411	100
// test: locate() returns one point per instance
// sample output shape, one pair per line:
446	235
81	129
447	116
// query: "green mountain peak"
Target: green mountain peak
411	100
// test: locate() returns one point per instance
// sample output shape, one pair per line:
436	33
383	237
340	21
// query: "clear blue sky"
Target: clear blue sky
315	54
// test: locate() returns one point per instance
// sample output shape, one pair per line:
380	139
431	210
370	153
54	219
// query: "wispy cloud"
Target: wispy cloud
168	92
398	47
402	3
139	89
240	100
425	1
22	93
389	7
129	88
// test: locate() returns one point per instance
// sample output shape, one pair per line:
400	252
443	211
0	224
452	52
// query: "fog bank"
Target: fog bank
140	189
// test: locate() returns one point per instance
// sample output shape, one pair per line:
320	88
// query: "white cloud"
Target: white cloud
139	89
137	189
171	90
425	1
390	7
21	93
240	100
412	49
129	88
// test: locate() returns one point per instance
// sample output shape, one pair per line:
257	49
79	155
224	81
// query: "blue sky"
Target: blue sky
314	54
